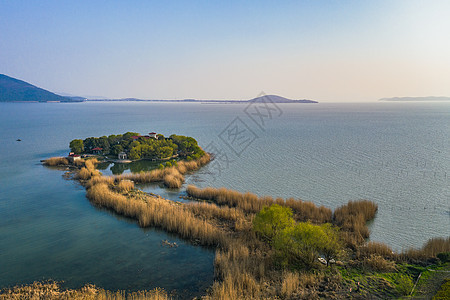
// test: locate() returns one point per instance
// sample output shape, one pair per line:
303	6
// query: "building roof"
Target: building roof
152	133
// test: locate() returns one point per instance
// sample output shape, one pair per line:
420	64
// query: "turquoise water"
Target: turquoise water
396	154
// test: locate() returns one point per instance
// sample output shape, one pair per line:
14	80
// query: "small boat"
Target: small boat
18	140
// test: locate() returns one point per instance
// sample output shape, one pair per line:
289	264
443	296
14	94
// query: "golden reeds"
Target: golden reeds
375	248
172	177
56	161
290	283
250	203
431	248
352	218
160	213
125	186
52	290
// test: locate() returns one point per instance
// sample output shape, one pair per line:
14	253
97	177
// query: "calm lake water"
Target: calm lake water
396	154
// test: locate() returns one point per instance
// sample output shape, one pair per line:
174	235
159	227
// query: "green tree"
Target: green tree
161	166
116	149
165	152
168	164
135	153
331	246
303	243
273	220
77	146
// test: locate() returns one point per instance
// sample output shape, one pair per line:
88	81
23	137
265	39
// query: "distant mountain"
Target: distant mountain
278	99
431	98
13	90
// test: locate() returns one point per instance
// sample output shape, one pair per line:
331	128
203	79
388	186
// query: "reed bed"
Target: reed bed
241	273
172	177
125	186
156	212
56	161
431	248
290	283
250	203
375	248
352	218
212	211
52	290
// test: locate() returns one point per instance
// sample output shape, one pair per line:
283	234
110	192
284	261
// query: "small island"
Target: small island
266	248
134	146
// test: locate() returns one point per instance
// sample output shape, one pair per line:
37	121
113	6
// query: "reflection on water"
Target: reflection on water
108	168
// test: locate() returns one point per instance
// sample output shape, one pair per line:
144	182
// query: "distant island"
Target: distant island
406	99
15	90
261	99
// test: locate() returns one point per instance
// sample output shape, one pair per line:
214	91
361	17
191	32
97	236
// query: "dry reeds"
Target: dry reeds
160	213
375	248
56	161
52	290
352	219
431	248
212	211
290	283
250	203
172	177
378	263
125	186
241	272
83	174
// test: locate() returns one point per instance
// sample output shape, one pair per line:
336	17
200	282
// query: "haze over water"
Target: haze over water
395	154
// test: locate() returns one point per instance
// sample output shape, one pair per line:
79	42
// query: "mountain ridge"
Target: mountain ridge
16	90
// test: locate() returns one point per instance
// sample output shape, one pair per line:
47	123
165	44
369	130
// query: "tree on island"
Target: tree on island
140	147
77	146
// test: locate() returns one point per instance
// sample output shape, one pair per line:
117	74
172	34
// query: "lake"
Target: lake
395	154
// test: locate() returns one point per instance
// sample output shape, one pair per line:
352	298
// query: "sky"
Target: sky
330	51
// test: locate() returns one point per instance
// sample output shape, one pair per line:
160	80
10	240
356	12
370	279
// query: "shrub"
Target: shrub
444	257
271	221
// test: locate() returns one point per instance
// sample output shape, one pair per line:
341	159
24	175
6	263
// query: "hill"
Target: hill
279	99
14	90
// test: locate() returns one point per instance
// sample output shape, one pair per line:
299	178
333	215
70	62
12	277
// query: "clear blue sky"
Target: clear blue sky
322	50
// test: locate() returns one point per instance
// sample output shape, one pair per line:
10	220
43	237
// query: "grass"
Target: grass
444	291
